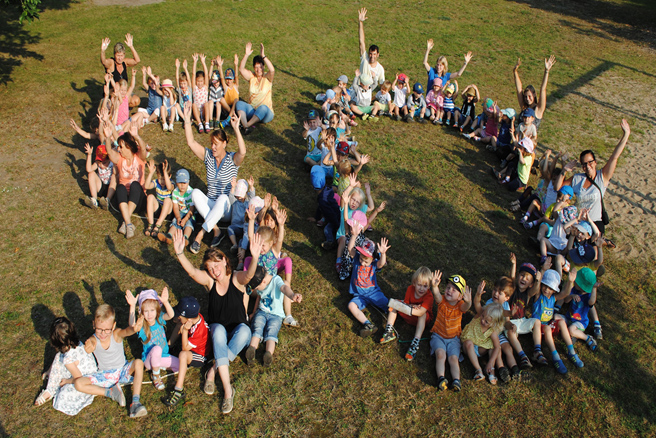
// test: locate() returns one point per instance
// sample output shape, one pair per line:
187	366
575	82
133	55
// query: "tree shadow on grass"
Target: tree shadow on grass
14	41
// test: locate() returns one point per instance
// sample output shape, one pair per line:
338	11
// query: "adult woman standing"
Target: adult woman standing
527	97
130	161
260	106
118	65
226	314
590	186
221	167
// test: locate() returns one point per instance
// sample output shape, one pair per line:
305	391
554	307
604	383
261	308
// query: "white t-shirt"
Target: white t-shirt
400	95
313	141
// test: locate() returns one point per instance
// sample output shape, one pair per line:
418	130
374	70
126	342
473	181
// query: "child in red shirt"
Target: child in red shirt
193	330
420	307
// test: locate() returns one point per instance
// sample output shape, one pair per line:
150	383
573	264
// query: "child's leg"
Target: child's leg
255	341
172	113
356	110
225	106
209	110
391	317
162	111
151	207
422	113
548	339
404	110
196	113
270	346
376	109
113	182
83	384
440	362
95	184
341	243
467	121
537	332
456	117
357	313
185	359
421	325
468	346
514	341
440	114
138	378
510	357
165	210
454	366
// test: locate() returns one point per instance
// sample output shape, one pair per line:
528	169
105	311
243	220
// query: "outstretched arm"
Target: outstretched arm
383	246
130	43
518	84
362	15
239	156
429	47
199	276
542	100
107	63
468	57
269	65
609	168
245	73
195	147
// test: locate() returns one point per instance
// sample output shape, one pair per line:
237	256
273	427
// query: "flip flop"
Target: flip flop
609	243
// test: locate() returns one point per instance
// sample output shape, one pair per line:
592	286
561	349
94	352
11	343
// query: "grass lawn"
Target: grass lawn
58	257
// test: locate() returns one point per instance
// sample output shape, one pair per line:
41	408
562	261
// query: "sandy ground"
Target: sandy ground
124	2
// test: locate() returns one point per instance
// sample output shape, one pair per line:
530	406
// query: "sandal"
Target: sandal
478	375
149	230
209	386
491	377
42	398
165	238
591	343
154	231
539	358
609	243
157	382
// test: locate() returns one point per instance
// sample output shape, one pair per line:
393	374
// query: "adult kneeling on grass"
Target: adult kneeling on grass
221	168
259	108
226	313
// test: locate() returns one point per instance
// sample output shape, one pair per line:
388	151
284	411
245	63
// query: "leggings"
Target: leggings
136	193
155	360
284	263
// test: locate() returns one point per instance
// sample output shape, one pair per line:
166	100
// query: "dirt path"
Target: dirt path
125	2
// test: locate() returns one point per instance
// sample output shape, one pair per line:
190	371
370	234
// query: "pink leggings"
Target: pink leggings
283	264
155	360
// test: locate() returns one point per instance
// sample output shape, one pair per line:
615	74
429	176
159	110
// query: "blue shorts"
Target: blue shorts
449	111
377	298
191	223
266	326
451	346
502	339
109	378
417	113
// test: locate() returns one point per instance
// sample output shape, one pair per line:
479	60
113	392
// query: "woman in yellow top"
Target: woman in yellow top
259	107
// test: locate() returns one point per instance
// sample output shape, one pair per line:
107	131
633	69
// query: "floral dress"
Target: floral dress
66	398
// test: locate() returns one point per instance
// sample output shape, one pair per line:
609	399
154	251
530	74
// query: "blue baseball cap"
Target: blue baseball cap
566	190
330	94
528	112
182	176
583	254
417	88
187	307
313	114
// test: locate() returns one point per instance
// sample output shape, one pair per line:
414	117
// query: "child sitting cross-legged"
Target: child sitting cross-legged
193	331
114	369
364	286
481	336
582	297
183	208
270	314
420	306
445	336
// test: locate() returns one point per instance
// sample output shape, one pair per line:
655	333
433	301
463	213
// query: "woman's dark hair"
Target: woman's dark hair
258	60
530	89
129	141
216	255
218	134
63	335
586	152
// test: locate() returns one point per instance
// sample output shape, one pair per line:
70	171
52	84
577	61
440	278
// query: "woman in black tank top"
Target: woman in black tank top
226	313
119	61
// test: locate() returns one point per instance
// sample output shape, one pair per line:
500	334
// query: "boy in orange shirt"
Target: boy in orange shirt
420	305
445	336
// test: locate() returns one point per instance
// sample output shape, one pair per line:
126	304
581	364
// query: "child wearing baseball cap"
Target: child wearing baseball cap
364	286
241	193
445	334
416	104
311	132
582	298
401	89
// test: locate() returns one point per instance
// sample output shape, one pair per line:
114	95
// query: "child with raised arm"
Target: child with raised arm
114	369
182	85
161	200
450	92
481	336
311	133
270	313
170	109
420	305
183	208
241	192
193	331
155	95
230	84
401	89
445	334
465	115
102	184
364	285
435	102
201	93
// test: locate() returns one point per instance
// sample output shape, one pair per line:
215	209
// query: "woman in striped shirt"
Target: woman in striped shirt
221	168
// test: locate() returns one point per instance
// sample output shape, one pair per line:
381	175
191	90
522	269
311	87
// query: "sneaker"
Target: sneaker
591	343
539	357
171	127
388	336
165	126
597	332
122	228
409	119
576	360
207	127
467	136
367	329
328	245
503	164
442	383
216	241
525	363
504	374
412	351
194	247
90	202
129	231
137	410
455	385
353	123
267	359
560	366
514	372
157	381
373	118
164	238
566	266
240	266
216	124
338	267
398	118
422	120
491	148
201	129
434	121
224	124
116	394
234	249
250	355
290	321
228	403
103	203
365	116
173	398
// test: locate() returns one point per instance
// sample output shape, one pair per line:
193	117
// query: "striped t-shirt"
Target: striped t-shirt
448	320
219	177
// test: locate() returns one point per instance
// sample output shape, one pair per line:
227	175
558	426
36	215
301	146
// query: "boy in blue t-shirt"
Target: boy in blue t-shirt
363	286
543	309
582	297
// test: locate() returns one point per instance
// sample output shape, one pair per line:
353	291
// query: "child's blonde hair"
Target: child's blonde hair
334	118
495	312
358	191
104	312
423	274
387	85
344	168
146	327
266	233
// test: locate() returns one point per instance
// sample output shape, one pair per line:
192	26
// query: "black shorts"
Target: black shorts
197	361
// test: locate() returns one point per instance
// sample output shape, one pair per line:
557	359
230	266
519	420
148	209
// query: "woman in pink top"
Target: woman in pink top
129	158
259	107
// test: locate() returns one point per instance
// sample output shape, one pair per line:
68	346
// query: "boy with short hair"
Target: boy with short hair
183	208
445	336
193	331
416	104
364	286
582	298
311	133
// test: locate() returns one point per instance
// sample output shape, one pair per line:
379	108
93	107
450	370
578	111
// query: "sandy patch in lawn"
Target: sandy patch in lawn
125	2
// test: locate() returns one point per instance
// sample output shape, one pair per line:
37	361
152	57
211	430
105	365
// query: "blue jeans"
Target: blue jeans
228	345
266	326
329	232
318	175
263	112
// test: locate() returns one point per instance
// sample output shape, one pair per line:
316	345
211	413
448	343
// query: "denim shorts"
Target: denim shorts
266	326
451	346
191	223
376	298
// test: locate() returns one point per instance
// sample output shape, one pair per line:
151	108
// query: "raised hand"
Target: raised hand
187	111
297	298
165	167
364	159
362	14
519	62
625	126
549	62
436	278
251	182
194	57
306	125
134	71
513	258
481	288
547	264
131	299
382	206
281	216
138	324
353	179
570	166
90	345
87	148
249	49
572	275
236	60
219	62
357	72
104	44
165	295
383	246
256	245
184	64
468	57
274	203
234	122
262	50
128	40
356	227
429	46
251	213
151	166
177	63
202	58
178	241
467	295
